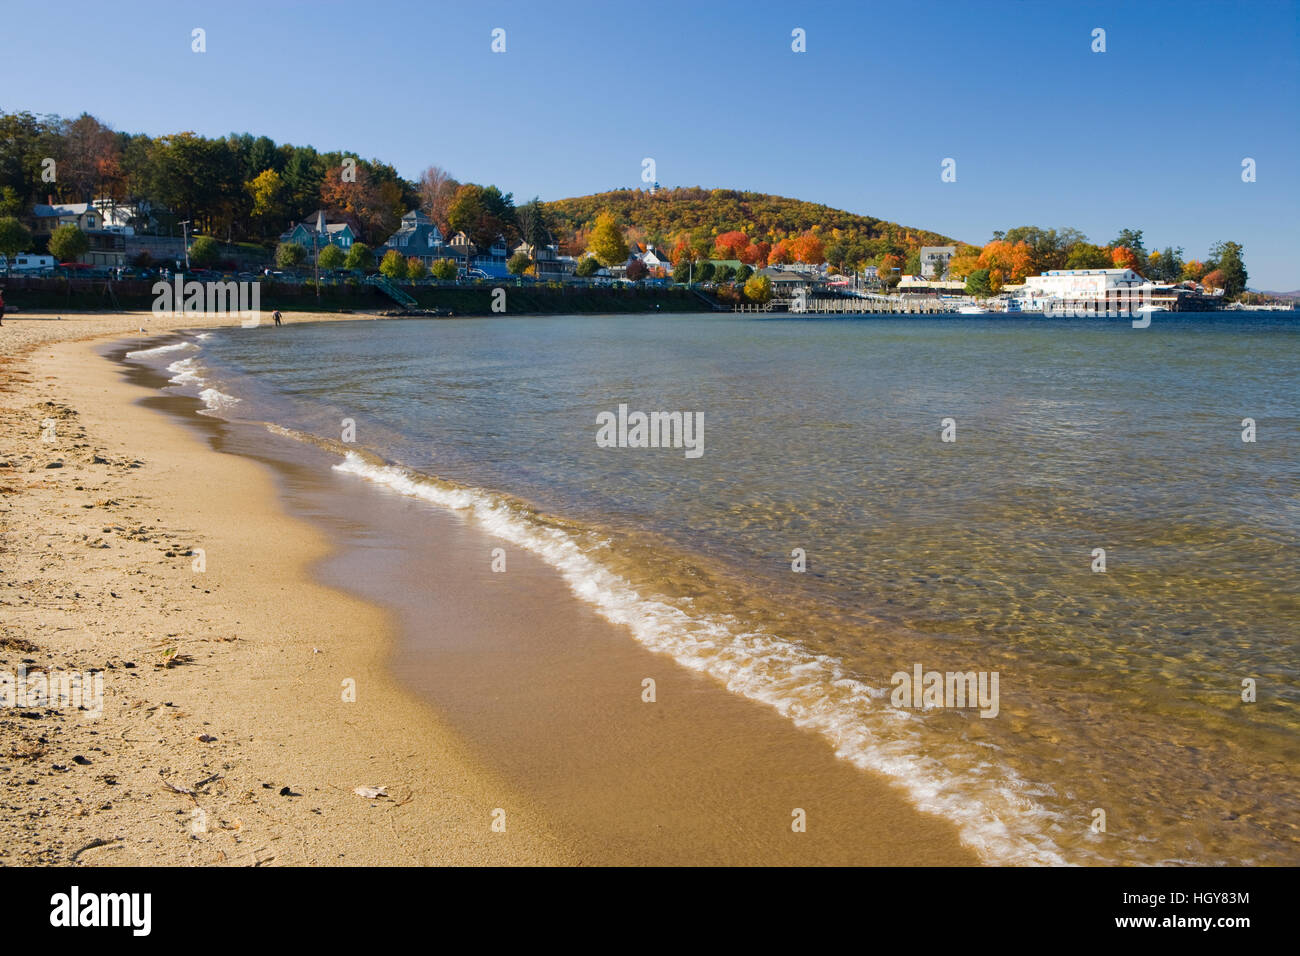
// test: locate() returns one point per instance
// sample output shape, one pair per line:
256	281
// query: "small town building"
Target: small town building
934	261
321	230
47	217
1082	283
418	237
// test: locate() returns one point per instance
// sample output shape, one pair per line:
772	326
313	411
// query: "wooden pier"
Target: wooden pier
855	305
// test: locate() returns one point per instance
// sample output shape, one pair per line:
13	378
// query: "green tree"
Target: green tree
1131	239
724	273
1227	259
331	257
1084	255
11	203
68	243
289	255
685	271
393	265
481	213
359	257
519	263
912	266
977	283
587	267
1165	265
743	273
444	269
204	251
534	227
606	241
758	289
14	238
415	268
704	272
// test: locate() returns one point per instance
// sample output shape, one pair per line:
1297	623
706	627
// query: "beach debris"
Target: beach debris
371	793
175	787
91	845
286	792
83	761
205	738
55	464
172	657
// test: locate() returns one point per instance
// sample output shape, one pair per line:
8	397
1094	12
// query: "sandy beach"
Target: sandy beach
226	737
226	683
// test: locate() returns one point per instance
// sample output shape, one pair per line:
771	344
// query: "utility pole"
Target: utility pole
185	233
320	227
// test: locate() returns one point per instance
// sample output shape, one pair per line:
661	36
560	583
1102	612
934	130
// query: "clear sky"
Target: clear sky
1149	134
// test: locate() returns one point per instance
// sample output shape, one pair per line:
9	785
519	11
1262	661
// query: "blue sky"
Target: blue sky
1150	134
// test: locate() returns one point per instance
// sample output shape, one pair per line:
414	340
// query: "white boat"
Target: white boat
973	310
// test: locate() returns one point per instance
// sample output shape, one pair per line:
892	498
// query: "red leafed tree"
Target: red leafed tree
781	253
730	245
809	250
636	270
755	255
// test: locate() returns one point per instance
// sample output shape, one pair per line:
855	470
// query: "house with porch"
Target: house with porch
322	229
417	237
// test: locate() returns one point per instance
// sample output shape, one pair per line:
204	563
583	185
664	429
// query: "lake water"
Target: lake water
1120	692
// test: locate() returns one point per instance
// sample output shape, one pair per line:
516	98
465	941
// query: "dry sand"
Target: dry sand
228	682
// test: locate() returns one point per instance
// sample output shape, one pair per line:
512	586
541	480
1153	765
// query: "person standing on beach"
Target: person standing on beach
276	315
2	307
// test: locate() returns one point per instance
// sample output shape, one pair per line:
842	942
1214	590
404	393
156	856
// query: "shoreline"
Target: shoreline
715	737
236	654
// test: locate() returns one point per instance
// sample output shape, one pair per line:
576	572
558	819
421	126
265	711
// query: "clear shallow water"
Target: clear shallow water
1118	691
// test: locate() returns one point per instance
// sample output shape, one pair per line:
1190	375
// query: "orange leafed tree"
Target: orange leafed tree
966	261
730	245
809	249
1213	280
1124	258
782	253
1014	261
375	208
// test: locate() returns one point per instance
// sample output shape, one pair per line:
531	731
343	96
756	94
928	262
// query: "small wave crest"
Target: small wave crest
993	808
161	349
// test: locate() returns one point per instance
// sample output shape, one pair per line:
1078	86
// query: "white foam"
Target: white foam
159	350
992	806
216	400
185	372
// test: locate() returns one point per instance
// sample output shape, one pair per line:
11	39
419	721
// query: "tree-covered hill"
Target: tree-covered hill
668	214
